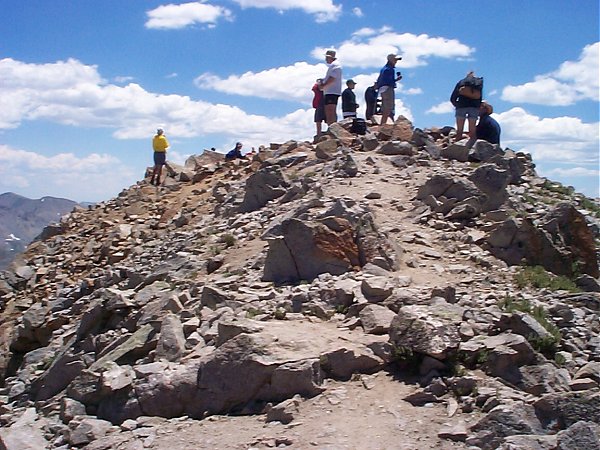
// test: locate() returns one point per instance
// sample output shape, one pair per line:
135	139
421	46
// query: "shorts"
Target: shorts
387	99
330	99
471	112
320	113
160	158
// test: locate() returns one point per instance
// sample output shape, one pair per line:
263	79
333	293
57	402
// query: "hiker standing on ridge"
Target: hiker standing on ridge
487	128
331	86
466	98
386	84
160	146
349	105
319	104
371	100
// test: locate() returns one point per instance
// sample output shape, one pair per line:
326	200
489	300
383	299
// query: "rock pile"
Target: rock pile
250	287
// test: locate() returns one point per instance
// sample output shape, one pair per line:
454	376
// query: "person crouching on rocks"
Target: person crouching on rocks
236	153
487	128
160	146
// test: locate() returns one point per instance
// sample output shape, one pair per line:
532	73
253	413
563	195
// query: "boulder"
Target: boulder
171	340
428	329
376	319
501	355
306	249
263	186
396	148
503	421
567	408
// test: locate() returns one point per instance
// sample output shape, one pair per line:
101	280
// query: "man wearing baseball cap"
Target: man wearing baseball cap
331	86
386	84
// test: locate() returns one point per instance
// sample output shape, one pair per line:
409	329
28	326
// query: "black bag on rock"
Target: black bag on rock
359	126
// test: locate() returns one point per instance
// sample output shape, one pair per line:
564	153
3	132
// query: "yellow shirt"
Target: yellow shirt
160	143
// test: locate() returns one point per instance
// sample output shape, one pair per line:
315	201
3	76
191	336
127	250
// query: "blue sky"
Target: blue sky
85	83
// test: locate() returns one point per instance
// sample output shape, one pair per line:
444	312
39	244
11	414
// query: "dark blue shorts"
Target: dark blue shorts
160	158
320	113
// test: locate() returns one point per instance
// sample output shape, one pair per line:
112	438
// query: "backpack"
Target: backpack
359	126
471	87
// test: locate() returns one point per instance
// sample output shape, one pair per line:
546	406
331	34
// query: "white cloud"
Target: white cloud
323	10
574	172
123	79
60	175
571	82
73	94
441	108
357	12
560	139
369	48
174	16
286	83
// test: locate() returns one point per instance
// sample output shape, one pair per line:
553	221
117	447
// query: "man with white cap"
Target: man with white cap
386	84
331	86
160	146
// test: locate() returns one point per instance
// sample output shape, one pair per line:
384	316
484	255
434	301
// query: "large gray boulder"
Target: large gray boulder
431	330
308	248
263	186
500	355
504	421
561	242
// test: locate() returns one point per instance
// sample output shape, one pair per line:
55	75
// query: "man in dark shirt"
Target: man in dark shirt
487	128
349	104
236	153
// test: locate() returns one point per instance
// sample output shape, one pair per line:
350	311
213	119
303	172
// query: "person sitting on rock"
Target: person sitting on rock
236	153
487	128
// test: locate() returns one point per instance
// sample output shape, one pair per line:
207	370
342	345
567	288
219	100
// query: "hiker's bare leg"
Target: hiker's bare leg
330	114
472	127
460	127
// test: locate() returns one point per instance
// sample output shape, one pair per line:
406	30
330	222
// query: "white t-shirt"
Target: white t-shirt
334	70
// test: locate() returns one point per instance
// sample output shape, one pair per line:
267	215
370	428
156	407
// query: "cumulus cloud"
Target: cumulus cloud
175	16
369	48
357	12
60	175
559	139
322	10
441	108
286	83
72	93
571	82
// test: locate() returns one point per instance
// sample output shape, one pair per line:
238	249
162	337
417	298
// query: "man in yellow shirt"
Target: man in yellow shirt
160	146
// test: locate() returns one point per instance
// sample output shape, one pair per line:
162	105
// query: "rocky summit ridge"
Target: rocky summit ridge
391	290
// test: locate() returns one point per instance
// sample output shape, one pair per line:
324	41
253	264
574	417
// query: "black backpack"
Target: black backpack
359	126
471	87
473	82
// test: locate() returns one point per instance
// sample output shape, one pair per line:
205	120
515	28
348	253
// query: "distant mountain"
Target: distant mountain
22	219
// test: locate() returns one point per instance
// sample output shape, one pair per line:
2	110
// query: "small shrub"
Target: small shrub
510	304
228	239
560	360
590	205
558	188
341	309
538	277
